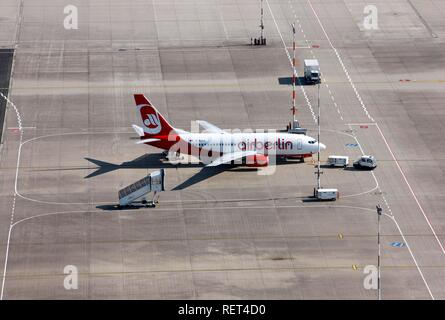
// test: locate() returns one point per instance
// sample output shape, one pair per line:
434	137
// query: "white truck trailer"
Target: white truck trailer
338	161
327	194
311	71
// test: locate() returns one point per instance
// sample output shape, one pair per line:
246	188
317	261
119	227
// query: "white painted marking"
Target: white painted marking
290	61
393	218
227	207
362	124
323	78
297	47
412	255
341	63
196	208
411	190
361	193
387	145
223	23
19	122
23	128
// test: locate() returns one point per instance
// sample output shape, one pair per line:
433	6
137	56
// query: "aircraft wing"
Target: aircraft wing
231	157
210	127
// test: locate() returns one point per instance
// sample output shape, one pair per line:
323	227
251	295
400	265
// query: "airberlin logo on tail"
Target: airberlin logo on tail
151	120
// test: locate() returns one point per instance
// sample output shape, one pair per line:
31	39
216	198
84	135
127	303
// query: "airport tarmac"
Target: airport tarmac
234	234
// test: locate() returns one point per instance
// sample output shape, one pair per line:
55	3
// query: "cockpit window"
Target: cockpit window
311	141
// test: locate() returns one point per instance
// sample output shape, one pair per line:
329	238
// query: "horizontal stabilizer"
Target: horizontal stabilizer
138	130
148	140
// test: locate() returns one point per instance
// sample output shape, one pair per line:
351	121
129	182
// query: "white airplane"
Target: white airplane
215	146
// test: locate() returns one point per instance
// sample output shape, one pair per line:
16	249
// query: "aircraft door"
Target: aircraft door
299	144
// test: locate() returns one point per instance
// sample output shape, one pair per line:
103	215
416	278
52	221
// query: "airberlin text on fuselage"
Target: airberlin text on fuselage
279	144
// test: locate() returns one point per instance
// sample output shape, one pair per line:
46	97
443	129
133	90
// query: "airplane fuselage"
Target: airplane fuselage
222	146
281	144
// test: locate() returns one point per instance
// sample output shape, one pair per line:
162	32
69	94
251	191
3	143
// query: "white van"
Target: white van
365	162
338	161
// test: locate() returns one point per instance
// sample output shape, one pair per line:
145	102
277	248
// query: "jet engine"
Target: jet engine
258	160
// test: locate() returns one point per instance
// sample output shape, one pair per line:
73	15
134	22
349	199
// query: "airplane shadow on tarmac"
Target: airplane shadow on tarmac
145	161
157	161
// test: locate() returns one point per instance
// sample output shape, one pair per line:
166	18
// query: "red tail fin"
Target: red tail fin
153	123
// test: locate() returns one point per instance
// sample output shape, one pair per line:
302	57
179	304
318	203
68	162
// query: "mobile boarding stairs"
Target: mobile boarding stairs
137	193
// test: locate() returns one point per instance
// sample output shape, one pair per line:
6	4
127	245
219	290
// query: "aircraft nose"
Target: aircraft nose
322	146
